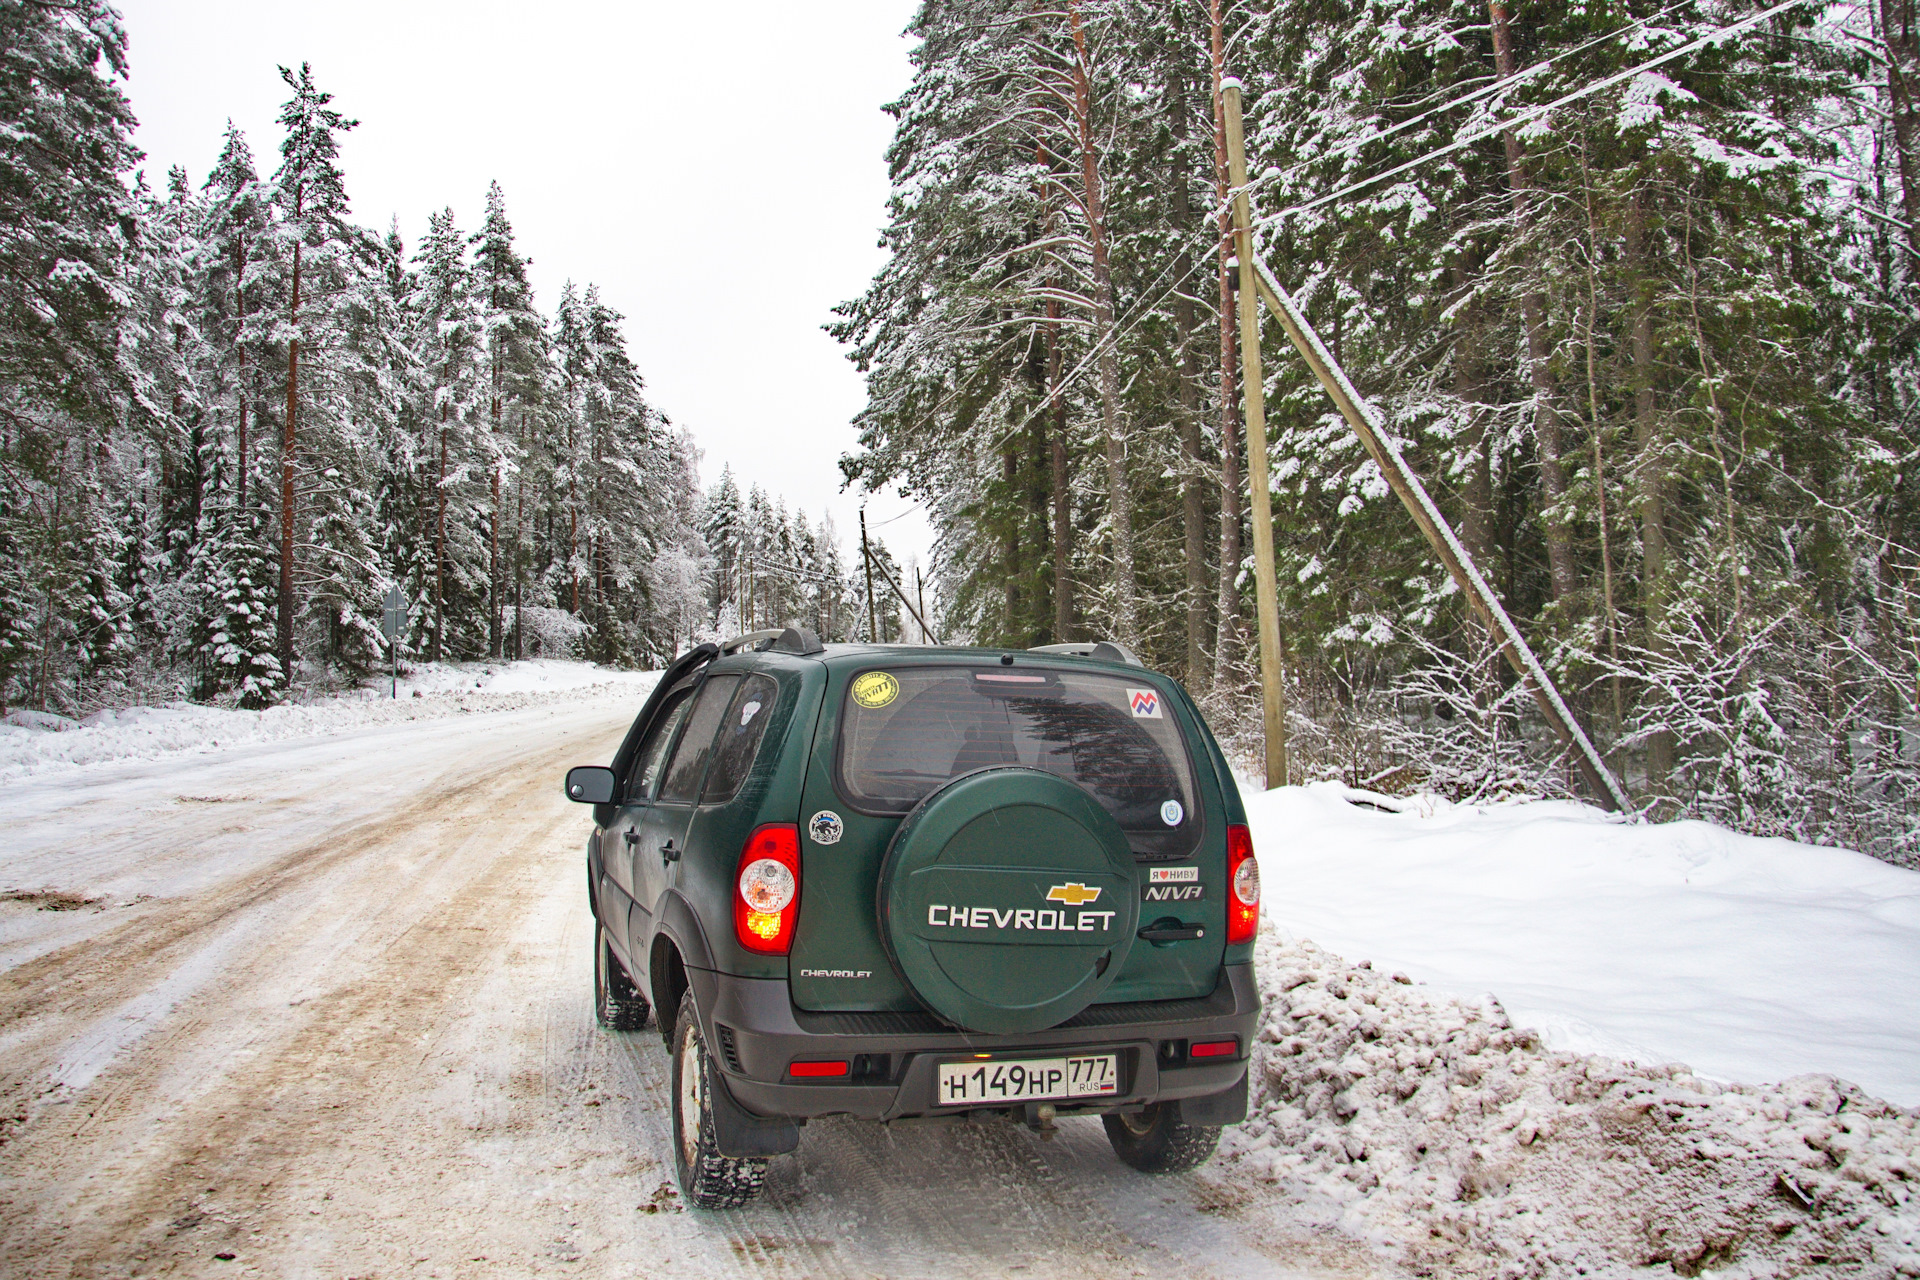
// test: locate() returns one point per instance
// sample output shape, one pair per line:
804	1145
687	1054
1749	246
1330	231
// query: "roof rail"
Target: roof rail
779	639
1105	650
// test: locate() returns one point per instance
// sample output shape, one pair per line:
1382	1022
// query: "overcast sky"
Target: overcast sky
719	172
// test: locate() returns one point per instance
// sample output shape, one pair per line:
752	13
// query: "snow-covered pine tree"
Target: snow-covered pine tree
515	342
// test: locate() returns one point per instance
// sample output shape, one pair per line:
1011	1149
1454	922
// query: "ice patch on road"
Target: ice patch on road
33	743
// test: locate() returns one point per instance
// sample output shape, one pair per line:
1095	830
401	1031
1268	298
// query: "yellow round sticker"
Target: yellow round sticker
875	689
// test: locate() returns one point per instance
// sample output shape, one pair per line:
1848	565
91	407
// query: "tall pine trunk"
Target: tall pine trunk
1107	362
240	350
287	446
1062	483
1650	475
1193	513
1533	309
440	546
1227	636
1901	32
495	617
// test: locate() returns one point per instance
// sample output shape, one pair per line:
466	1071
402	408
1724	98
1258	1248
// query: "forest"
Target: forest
1633	285
231	420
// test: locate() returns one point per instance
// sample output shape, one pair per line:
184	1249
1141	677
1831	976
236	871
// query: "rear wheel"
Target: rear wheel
617	1003
1155	1140
707	1179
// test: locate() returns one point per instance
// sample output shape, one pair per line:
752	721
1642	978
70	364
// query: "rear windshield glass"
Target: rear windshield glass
905	732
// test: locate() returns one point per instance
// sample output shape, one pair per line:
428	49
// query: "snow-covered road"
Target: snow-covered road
322	1007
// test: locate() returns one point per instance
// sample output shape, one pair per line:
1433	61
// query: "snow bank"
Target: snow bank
31	743
1466	1147
1748	959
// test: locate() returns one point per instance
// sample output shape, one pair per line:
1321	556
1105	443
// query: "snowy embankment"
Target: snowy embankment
1394	1088
33	742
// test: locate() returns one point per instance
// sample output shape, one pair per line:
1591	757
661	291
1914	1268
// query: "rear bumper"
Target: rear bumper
755	1034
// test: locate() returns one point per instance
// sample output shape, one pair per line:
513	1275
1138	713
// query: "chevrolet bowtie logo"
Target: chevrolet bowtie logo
1074	895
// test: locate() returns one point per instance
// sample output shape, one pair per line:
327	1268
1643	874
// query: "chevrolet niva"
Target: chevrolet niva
895	882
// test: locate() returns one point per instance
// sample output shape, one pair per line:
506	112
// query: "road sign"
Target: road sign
395	617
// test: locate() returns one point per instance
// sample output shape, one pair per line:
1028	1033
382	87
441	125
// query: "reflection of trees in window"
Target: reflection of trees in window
1111	755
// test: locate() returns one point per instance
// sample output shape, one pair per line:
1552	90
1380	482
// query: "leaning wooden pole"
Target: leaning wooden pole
1368	424
1401	478
1266	589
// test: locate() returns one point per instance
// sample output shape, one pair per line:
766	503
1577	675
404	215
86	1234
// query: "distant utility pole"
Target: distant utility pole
1266	590
920	590
866	558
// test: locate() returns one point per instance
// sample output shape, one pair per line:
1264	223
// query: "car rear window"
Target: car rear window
905	732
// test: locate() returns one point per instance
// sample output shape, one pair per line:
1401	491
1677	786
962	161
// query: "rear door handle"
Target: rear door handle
1171	933
668	853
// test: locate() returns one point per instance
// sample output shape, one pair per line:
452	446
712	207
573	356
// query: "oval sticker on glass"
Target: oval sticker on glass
875	689
1171	813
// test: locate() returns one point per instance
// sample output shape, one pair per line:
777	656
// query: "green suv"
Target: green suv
894	882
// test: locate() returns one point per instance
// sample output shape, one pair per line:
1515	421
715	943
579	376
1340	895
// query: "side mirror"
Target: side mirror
590	784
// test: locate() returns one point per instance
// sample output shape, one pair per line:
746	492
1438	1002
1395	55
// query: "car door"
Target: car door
661	832
649	766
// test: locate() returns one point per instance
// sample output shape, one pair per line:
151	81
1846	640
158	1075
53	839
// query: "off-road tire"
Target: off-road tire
1155	1141
617	1003
708	1180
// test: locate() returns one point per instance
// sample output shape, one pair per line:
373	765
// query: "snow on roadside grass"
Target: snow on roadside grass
31	743
1747	959
1465	1147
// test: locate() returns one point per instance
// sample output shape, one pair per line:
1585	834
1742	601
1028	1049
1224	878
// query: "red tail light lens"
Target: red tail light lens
1214	1049
1243	880
766	894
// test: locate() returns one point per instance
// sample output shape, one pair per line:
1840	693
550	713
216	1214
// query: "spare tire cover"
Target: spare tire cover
1007	900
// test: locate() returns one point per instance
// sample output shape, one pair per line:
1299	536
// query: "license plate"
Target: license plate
1028	1079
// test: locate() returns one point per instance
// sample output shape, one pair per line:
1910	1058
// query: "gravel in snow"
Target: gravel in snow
1433	1127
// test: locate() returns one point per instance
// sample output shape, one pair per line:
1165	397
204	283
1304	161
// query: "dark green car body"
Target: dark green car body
667	849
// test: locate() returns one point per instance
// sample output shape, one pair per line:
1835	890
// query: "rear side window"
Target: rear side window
696	742
740	733
903	733
652	756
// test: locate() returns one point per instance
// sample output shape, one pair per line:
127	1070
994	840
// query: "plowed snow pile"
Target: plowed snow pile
1465	1147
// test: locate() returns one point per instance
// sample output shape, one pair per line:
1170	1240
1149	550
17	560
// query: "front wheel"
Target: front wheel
1156	1141
708	1179
617	1003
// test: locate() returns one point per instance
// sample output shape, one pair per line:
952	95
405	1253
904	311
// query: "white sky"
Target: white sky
718	171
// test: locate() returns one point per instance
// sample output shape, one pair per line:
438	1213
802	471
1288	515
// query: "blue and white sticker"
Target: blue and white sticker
1171	813
825	827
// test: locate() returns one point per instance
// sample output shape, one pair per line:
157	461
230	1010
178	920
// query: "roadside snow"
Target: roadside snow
1748	959
1394	1092
1439	1131
34	742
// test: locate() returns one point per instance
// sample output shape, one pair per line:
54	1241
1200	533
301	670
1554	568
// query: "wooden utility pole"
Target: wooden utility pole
1400	477
1266	589
866	558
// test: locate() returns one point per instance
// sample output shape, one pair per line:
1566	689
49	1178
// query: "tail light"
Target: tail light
1243	881
766	889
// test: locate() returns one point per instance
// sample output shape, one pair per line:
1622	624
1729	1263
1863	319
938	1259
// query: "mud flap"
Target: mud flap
1229	1106
738	1132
